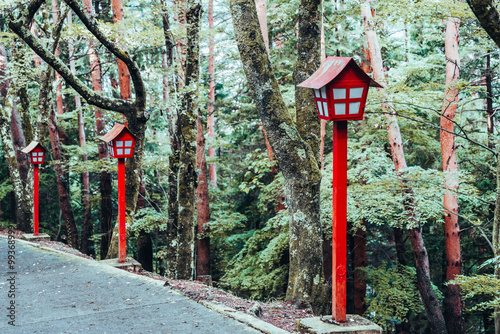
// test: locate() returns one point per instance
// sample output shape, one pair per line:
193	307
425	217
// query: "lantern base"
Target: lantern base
130	264
31	236
355	324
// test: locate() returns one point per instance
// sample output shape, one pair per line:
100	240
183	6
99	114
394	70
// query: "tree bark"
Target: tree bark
171	235
144	241
187	124
87	229
203	208
16	160
212	167
262	15
431	304
360	262
297	161
452	300
105	181
59	97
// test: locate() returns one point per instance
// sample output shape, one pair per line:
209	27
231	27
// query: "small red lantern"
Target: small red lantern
121	141
36	156
35	152
340	89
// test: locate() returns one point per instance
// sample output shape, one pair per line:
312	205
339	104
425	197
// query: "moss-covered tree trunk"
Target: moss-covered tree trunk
13	140
169	237
187	162
296	158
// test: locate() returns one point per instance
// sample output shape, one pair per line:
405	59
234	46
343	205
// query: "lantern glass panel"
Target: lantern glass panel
320	108
323	92
355	93
119	143
339	108
127	151
316	93
354	108
338	94
119	151
325	108
128	143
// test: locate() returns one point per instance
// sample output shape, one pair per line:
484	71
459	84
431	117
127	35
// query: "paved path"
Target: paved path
60	293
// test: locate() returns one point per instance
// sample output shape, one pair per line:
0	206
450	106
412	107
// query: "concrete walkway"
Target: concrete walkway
51	292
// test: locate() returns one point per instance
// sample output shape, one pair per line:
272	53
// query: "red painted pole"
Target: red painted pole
339	230
35	200
122	242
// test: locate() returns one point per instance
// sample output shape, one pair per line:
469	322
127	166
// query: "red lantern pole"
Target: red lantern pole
339	230
122	243
35	200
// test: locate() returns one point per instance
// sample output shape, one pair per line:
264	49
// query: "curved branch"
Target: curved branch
20	27
92	26
488	17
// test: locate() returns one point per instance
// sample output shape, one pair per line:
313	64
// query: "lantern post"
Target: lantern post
36	156
121	143
340	90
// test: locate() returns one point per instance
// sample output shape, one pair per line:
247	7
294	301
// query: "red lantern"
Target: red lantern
121	143
340	89
36	156
36	153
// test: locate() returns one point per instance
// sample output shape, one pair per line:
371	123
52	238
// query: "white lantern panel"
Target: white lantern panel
325	109
339	108
119	143
316	93
354	108
39	159
119	151
128	143
339	93
29	158
127	151
320	108
34	154
323	92
356	93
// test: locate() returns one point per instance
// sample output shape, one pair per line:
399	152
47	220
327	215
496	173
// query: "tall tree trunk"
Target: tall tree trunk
6	109
212	167
489	102
144	241
123	73
86	216
105	181
322	122
171	235
360	262
262	15
452	300
187	124
18	167
62	182
59	97
430	301
297	160
203	209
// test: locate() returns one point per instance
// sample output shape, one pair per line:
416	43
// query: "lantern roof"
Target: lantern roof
32	146
331	68
116	131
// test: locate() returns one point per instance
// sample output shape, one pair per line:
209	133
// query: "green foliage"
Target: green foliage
392	294
478	288
260	269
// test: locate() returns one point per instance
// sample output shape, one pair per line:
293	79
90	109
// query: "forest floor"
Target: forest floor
278	313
